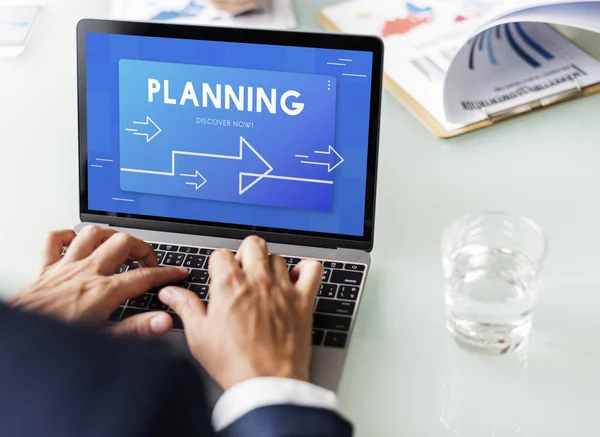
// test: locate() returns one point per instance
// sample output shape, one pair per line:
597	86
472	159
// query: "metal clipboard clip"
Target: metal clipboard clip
561	96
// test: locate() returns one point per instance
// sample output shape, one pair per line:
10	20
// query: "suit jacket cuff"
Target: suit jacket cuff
255	393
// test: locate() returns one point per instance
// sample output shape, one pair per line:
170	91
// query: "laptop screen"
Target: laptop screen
263	136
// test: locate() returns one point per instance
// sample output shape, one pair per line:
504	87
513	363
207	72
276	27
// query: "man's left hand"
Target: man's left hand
81	286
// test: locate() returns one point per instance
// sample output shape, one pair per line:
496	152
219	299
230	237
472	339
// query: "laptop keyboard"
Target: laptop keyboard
334	308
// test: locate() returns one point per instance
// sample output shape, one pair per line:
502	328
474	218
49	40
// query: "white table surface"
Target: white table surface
403	376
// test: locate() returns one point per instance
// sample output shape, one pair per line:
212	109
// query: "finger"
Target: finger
133	283
54	244
223	264
87	241
280	270
144	326
254	257
308	274
186	304
121	247
235	7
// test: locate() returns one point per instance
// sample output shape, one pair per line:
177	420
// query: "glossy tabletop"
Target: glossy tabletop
403	377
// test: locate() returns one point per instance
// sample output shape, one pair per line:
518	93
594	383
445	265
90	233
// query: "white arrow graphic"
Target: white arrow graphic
330	168
148	136
239	157
196	184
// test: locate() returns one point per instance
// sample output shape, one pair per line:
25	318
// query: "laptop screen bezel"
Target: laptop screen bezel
227	230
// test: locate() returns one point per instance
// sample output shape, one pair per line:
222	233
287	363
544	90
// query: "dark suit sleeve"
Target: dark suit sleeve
289	421
60	381
63	381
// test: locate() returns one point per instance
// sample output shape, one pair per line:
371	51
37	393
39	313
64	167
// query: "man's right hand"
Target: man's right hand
259	320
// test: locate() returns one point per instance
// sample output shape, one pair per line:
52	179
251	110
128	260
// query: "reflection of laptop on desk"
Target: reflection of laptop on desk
193	138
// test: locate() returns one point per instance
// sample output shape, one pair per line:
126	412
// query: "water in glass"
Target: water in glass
491	289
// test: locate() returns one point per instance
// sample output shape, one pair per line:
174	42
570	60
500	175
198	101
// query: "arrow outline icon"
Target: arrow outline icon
258	176
198	174
145	123
239	157
328	152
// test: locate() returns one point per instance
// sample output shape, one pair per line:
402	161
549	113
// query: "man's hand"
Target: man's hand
235	7
259	320
82	288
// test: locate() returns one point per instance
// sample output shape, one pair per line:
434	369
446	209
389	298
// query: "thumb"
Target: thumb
186	304
144	326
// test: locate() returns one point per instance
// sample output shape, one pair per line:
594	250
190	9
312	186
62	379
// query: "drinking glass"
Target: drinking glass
492	263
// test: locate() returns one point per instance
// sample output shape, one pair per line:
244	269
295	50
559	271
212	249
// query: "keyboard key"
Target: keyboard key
177	323
140	302
317	337
169	247
157	305
346	292
333	265
332	306
326	275
153	245
116	315
129	312
121	269
198	276
134	265
291	261
346	277
335	339
327	290
194	261
160	256
355	267
200	290
174	259
206	251
325	321
188	249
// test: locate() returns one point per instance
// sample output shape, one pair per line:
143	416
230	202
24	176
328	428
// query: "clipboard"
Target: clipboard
434	126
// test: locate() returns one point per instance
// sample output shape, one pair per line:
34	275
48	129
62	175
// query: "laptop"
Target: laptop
192	138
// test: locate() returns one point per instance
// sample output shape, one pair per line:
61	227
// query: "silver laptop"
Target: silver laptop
193	138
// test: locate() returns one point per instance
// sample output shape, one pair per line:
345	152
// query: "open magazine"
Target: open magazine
464	61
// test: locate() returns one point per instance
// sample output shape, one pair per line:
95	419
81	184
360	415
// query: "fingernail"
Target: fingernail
166	294
160	324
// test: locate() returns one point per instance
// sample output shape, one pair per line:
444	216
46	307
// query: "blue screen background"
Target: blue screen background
283	204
